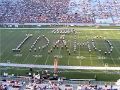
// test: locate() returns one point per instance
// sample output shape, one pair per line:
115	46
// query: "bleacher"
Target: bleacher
60	11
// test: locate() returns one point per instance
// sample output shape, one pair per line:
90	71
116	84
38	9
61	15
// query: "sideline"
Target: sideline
60	67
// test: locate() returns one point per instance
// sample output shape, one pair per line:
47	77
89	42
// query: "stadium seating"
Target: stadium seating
16	84
60	11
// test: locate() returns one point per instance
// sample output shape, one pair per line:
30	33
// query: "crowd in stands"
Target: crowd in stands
37	83
47	11
51	85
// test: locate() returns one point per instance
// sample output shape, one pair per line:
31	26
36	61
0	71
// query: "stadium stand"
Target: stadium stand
35	83
35	13
60	11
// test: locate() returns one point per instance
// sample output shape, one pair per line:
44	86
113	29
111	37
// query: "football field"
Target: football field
72	47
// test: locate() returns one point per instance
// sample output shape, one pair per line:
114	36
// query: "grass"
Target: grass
10	38
108	76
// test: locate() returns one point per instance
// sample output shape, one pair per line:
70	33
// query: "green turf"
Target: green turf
10	38
69	74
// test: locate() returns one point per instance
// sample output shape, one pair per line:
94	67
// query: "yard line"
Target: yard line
79	52
110	55
49	56
59	52
113	60
90	54
36	47
80	59
8	47
115	46
69	56
26	57
35	60
47	59
70	52
91	60
70	47
0	45
101	61
12	39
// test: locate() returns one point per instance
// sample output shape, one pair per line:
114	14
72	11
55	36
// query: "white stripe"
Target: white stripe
60	67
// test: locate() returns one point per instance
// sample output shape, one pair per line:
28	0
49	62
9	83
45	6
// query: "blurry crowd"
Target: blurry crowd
44	82
51	85
52	11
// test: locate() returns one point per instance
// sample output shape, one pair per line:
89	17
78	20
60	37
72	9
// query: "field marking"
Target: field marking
110	56
2	53
87	48
8	48
65	28
11	50
115	46
101	61
17	55
49	55
0	45
60	51
47	59
38	46
70	51
98	61
38	56
26	57
80	61
91	60
13	37
58	56
35	60
59	67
